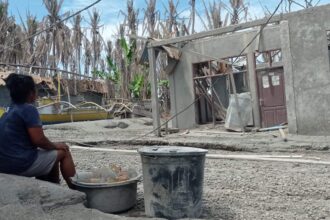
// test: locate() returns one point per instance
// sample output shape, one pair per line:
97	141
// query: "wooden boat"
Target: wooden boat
63	112
2	110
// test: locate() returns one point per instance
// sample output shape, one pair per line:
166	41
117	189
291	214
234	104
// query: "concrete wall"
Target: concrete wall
302	38
181	81
308	77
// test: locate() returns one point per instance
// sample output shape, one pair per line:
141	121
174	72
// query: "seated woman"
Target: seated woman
24	149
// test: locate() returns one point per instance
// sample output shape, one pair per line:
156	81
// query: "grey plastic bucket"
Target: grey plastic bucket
173	181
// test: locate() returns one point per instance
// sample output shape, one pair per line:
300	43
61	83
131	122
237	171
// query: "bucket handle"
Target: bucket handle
150	157
138	178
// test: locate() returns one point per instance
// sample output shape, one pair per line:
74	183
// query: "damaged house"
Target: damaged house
282	64
86	90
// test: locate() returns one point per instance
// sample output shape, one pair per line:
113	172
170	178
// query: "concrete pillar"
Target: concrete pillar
288	77
154	91
253	89
174	109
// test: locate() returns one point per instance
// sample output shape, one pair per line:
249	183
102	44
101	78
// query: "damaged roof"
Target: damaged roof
173	52
99	86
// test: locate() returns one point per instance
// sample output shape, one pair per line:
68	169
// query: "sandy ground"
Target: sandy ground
206	137
233	189
243	189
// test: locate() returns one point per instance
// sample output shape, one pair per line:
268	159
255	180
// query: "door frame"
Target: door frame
274	67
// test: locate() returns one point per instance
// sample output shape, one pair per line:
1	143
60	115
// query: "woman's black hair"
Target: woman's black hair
20	87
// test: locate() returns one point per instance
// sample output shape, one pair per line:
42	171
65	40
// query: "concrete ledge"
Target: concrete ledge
26	198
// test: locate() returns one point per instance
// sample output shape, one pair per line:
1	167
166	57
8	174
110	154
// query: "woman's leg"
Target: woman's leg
66	165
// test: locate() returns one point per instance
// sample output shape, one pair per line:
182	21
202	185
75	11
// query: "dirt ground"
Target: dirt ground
233	189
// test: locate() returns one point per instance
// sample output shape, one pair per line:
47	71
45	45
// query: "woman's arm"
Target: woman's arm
39	139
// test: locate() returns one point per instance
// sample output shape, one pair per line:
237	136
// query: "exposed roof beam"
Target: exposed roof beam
218	31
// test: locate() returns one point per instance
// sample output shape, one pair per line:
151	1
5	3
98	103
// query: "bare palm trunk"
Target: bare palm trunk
54	50
193	15
96	39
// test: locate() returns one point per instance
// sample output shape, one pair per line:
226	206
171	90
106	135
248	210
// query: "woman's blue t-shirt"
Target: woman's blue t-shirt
17	152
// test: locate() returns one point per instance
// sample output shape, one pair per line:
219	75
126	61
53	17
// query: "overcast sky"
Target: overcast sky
110	9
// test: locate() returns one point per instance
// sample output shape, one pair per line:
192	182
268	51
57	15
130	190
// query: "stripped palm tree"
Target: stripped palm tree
118	59
150	18
76	40
132	66
213	14
122	63
95	19
15	36
238	8
77	37
10	36
58	32
150	21
3	22
87	56
215	11
302	4
208	16
66	47
171	26
192	16
109	49
30	29
42	51
126	50
5	27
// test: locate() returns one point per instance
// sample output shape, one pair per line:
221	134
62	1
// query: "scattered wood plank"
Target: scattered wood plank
254	158
273	128
268	158
171	130
141	111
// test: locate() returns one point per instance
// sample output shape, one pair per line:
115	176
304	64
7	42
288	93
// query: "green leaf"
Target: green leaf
136	85
124	46
164	83
128	50
114	74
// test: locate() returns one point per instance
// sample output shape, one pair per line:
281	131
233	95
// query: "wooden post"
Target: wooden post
213	107
58	86
69	100
253	89
154	91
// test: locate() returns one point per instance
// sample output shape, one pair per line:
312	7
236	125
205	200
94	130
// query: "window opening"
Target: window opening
212	86
268	58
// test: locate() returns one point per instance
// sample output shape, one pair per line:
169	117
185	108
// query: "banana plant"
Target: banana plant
128	50
113	75
136	85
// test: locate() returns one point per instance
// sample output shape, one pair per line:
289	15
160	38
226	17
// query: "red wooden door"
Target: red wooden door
272	97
